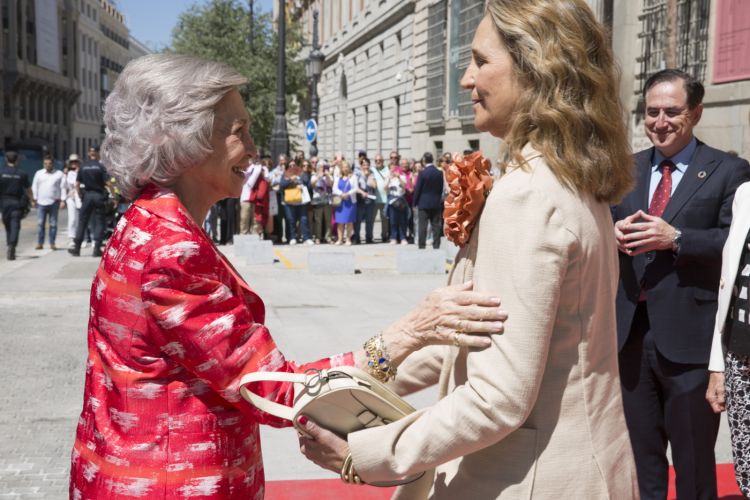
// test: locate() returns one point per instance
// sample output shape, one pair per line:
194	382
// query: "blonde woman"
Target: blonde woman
539	413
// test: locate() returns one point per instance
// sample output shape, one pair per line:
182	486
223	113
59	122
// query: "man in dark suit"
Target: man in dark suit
670	232
428	199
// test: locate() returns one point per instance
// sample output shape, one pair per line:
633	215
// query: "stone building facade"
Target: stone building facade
709	39
87	113
38	67
57	72
392	67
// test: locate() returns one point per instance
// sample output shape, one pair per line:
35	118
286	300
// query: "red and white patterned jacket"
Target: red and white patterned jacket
172	330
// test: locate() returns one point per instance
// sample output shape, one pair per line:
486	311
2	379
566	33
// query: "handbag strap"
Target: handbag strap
263	404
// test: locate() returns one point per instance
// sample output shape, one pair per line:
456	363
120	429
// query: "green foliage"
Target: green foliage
220	30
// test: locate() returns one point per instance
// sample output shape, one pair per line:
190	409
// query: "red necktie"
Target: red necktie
663	189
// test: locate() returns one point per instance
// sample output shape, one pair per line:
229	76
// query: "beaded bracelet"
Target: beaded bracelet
379	362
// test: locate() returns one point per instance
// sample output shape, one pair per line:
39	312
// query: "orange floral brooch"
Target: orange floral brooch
470	182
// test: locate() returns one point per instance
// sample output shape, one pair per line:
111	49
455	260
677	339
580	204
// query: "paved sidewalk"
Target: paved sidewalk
44	298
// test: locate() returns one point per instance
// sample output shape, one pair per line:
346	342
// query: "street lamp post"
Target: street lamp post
314	70
279	135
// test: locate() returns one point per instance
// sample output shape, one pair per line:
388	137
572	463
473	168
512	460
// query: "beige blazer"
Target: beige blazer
730	263
539	413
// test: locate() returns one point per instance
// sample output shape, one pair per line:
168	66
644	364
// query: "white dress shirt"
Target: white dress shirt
47	186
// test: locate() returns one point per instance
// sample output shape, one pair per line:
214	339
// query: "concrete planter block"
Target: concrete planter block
240	241
450	249
330	260
416	261
255	252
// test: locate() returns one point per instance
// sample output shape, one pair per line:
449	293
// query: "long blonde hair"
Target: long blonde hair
569	109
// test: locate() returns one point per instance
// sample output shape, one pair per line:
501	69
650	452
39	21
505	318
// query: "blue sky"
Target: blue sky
151	21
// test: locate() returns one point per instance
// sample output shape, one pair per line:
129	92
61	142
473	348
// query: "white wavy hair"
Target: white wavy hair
160	116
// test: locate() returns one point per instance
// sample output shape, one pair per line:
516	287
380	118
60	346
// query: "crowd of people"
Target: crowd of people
297	200
315	201
623	281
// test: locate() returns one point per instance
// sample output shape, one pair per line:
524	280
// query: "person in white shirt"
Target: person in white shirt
70	195
47	191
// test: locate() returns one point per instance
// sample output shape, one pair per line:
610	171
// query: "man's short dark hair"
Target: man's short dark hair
48	157
11	157
427	158
693	88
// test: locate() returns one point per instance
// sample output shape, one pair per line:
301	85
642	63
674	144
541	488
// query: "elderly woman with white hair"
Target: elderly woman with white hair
173	327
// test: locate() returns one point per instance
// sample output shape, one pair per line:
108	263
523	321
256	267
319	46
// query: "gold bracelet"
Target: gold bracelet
348	474
345	468
379	363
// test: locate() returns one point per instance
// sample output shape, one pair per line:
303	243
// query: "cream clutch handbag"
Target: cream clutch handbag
342	399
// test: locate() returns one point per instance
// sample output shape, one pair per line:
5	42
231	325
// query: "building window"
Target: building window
30	33
436	30
674	35
19	33
6	30
6	106
365	126
396	124
380	126
470	13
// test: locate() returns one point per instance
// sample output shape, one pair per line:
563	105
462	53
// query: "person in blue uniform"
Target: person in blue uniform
15	193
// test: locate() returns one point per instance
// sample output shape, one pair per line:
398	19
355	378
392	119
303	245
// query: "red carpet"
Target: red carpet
321	489
334	488
725	483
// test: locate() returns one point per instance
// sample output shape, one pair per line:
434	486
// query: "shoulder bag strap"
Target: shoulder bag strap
263	404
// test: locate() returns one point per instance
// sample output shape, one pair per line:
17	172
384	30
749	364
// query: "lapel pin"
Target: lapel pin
702	174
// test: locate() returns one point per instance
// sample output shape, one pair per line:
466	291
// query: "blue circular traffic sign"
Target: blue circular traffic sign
311	130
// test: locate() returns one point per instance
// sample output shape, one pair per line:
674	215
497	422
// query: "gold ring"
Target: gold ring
455	339
460	326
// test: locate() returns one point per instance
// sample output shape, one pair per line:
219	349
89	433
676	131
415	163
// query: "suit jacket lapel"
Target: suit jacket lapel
692	180
644	180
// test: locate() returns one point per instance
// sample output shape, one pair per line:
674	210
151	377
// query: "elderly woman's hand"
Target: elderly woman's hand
451	315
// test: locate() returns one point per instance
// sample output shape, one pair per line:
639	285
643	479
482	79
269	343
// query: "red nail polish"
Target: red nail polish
302	420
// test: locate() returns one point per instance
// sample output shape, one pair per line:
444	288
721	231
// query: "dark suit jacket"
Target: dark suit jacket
428	193
681	288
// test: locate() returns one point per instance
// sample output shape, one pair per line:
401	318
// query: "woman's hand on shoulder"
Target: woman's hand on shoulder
453	315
